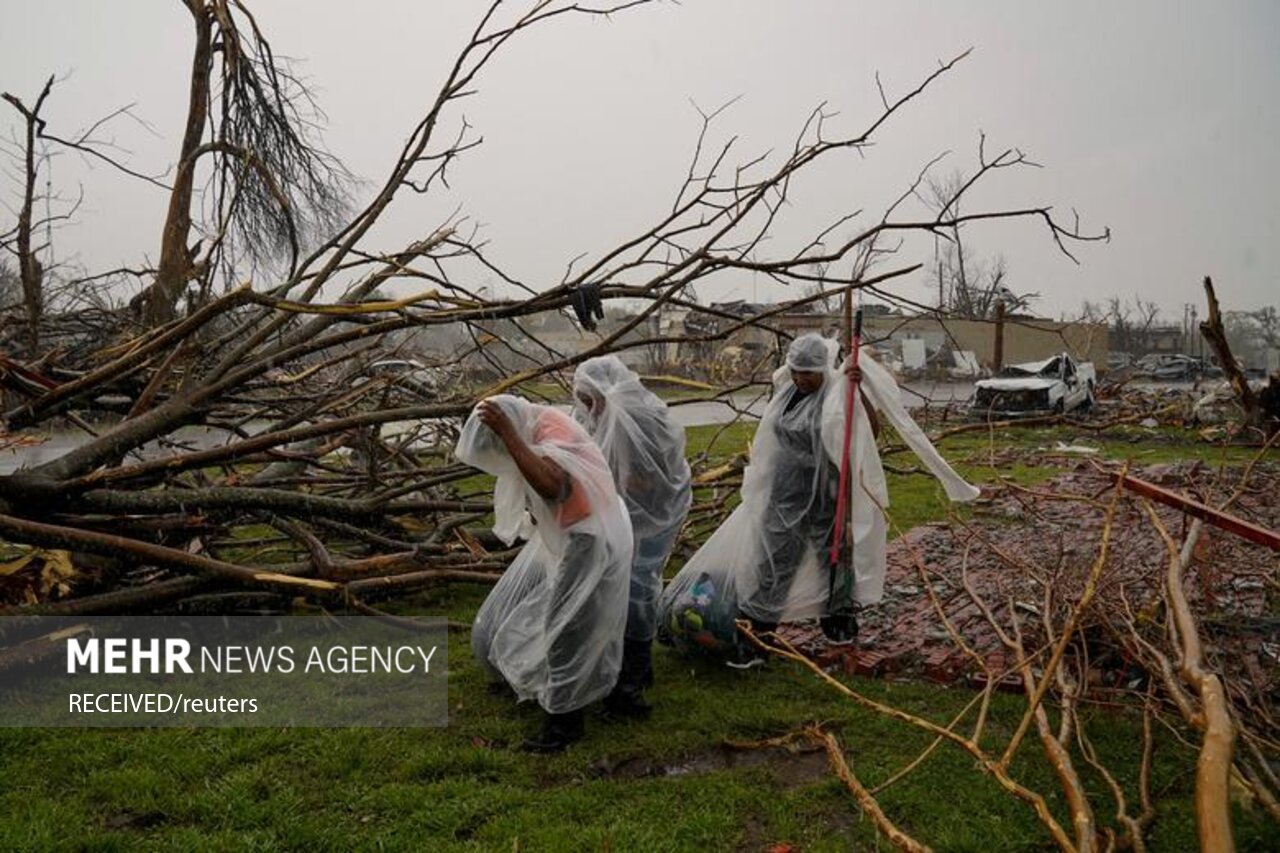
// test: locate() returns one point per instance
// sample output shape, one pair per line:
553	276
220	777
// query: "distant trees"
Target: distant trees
1131	322
43	286
19	239
1251	333
1136	327
968	287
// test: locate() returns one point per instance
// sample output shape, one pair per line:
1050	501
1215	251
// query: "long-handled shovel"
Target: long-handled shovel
840	623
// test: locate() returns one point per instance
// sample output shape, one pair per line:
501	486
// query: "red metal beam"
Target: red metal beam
1216	517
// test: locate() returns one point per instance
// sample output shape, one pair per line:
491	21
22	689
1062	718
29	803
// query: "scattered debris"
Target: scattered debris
37	575
905	637
1063	447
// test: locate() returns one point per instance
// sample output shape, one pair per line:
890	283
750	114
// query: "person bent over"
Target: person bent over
552	628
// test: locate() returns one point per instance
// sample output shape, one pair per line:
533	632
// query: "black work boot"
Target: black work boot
558	732
500	689
626	704
840	628
627	699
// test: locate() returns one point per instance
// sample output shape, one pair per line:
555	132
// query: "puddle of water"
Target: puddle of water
791	768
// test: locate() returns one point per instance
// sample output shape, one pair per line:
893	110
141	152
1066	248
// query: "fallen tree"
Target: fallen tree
285	377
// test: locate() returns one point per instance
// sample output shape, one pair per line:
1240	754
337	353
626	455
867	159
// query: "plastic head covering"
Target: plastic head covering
644	448
790	435
594	379
810	353
550	433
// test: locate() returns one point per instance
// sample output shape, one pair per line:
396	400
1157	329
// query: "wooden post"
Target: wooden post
846	335
1231	523
997	356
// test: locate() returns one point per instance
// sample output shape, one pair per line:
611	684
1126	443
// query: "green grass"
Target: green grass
468	787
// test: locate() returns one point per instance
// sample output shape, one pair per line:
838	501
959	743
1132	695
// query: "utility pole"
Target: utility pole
997	356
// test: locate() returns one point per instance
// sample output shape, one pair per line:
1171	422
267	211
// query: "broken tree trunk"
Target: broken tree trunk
29	267
997	358
175	262
1213	331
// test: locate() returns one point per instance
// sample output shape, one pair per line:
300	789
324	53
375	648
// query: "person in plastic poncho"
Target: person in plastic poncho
552	626
645	451
768	562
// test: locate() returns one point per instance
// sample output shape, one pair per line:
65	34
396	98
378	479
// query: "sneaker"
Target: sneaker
745	655
558	733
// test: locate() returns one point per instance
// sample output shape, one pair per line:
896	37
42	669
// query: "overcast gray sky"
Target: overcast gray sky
1158	119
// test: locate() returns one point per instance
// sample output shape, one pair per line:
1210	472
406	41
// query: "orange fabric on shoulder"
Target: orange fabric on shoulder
555	427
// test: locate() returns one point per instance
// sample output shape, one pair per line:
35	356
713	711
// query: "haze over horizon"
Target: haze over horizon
1158	121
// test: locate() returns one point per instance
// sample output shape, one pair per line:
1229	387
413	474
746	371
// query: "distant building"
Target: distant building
1025	338
1157	339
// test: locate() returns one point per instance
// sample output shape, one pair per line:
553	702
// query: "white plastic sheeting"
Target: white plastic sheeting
552	627
768	561
967	366
914	356
645	452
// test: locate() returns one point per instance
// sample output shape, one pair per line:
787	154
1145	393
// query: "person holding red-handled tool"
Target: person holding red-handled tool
770	562
804	497
840	624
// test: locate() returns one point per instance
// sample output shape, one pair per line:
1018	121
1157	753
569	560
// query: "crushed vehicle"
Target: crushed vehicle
408	376
1176	366
1119	360
1053	386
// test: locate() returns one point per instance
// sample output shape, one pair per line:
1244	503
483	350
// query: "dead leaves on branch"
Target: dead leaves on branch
37	575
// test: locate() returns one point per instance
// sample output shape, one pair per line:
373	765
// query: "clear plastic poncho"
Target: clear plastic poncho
552	627
769	560
645	451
